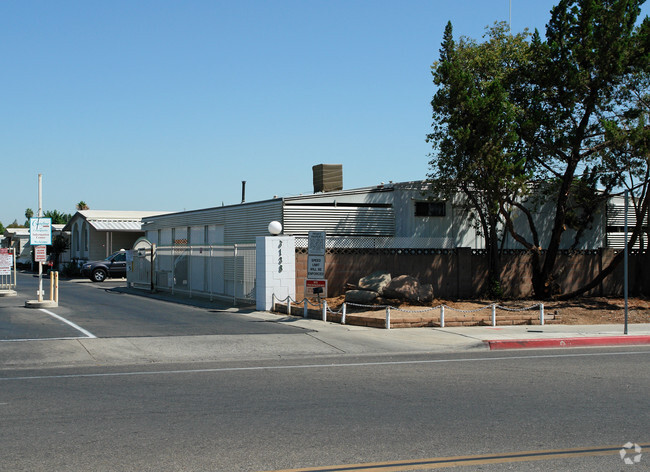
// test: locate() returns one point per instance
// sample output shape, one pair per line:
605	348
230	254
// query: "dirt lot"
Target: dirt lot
598	310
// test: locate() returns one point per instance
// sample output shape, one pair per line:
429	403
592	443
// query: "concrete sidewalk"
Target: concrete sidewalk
319	339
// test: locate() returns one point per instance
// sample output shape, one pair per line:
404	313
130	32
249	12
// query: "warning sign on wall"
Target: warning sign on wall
315	287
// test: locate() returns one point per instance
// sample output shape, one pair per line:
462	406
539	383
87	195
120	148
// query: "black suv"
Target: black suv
113	266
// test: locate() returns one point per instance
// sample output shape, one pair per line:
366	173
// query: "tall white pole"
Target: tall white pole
625	261
510	18
40	214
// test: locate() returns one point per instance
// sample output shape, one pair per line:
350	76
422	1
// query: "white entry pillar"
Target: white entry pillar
276	269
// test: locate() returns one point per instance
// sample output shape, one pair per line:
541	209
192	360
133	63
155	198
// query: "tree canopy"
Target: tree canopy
58	218
475	127
563	115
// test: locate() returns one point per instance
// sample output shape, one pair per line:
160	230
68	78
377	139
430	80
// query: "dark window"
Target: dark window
121	257
430	209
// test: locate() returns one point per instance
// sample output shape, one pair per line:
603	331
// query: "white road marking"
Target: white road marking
43	339
77	327
318	366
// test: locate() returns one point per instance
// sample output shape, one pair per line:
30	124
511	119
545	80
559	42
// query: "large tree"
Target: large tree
28	214
552	124
58	218
591	49
474	133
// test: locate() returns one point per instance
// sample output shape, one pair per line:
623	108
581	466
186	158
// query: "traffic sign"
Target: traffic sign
6	262
40	231
316	243
40	253
315	267
315	287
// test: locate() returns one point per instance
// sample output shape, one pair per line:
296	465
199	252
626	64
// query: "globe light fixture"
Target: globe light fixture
275	228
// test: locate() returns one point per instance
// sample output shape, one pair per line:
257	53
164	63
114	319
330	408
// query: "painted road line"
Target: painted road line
467	461
594	341
88	334
217	370
22	340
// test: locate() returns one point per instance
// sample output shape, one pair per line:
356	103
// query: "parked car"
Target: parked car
113	266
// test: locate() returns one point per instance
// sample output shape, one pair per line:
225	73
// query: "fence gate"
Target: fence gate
221	272
139	271
7	269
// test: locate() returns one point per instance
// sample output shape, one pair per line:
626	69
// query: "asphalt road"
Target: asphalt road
479	410
106	311
318	413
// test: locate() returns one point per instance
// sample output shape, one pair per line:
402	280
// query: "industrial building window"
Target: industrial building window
430	209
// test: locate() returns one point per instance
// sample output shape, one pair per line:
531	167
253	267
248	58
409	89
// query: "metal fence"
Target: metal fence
7	269
222	272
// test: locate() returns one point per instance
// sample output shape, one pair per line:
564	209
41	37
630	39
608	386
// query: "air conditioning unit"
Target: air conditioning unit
328	177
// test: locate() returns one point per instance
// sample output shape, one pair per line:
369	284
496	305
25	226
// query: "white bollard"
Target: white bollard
343	314
387	317
289	306
494	315
541	314
324	310
442	316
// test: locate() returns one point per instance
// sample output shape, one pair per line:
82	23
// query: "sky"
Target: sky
169	105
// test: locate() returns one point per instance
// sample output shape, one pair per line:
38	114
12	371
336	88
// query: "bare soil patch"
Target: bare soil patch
580	311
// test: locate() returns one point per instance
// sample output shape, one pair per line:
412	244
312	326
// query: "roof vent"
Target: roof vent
328	177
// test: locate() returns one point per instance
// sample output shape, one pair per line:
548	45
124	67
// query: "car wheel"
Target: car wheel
99	275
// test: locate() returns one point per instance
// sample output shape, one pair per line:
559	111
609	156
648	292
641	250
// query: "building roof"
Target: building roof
16	232
110	220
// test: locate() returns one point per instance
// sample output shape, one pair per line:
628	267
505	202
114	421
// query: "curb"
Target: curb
567	342
41	304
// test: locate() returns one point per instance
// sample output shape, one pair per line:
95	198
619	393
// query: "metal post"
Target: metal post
494	314
324	310
40	214
387	317
56	287
289	306
273	302
305	308
343	313
189	272
234	277
541	314
625	262
51	285
173	256
211	270
14	253
153	272
442	316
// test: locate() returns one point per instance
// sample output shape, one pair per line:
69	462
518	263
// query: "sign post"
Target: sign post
40	235
316	284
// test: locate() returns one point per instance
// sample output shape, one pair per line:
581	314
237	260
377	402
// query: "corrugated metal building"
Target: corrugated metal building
616	224
395	211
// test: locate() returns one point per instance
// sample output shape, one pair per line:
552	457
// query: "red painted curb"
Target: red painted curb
567	342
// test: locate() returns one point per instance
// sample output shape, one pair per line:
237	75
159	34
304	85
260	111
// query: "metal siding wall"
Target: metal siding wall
242	223
349	221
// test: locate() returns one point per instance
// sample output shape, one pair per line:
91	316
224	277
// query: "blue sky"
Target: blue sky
169	105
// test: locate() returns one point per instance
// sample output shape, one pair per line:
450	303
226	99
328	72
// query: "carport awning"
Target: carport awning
116	225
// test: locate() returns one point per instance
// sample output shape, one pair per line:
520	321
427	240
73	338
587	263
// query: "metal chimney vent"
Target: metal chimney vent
328	177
